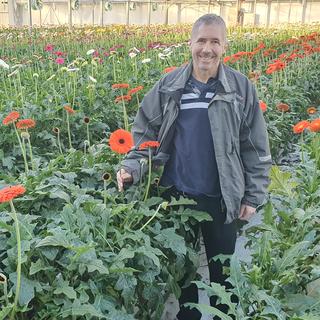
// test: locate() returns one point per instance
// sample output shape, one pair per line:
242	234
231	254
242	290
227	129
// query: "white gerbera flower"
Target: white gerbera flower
90	52
4	64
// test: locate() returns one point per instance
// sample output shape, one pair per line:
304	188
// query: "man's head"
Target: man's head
208	43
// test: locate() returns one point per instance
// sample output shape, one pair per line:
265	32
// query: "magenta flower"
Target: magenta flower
59	60
48	47
58	53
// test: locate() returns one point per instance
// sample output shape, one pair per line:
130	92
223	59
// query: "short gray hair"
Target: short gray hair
207	19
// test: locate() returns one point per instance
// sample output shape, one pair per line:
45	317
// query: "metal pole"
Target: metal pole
166	13
289	14
209	6
70	14
128	12
30	17
93	7
268	13
101	7
304	10
149	12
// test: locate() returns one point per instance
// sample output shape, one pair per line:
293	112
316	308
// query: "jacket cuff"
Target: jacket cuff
251	204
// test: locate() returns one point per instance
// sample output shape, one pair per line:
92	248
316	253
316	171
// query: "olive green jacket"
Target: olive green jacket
238	131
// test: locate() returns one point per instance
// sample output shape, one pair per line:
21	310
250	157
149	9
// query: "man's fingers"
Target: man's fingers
123	177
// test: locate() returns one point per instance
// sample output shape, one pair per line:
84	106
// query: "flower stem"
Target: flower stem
125	117
31	155
16	298
153	216
23	150
69	133
88	135
59	142
149	177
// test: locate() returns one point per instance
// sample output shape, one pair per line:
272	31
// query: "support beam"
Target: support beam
101	10
70	14
12	13
304	10
268	13
149	12
179	12
128	12
30	16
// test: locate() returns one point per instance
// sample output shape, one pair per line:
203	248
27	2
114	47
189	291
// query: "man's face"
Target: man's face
208	44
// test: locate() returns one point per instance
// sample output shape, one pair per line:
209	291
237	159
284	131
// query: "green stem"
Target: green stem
23	150
31	155
105	192
153	216
59	142
149	177
88	135
16	298
69	132
125	116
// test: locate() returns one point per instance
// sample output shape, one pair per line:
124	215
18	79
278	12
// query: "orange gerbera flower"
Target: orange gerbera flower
283	107
26	124
301	126
121	141
11	192
69	109
120	86
311	110
135	90
263	106
149	144
122	98
315	125
169	69
11	117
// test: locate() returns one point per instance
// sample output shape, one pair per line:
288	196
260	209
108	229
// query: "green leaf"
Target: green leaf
38	266
65	289
291	255
181	202
267	214
126	284
207	310
5	311
273	305
97	265
194	214
59	239
281	183
216	289
87	309
57	193
171	240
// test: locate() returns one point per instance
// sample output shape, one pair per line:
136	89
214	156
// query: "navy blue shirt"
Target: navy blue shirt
192	166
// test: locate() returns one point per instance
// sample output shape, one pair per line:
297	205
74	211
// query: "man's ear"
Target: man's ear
226	46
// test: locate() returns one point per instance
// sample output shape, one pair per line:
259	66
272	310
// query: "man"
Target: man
213	143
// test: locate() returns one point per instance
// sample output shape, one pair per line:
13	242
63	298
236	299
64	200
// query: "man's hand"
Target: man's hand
246	212
123	177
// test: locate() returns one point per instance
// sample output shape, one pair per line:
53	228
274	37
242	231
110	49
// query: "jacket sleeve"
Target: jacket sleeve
254	150
145	128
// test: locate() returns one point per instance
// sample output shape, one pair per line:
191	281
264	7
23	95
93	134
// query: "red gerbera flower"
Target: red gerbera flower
120	86
60	60
122	98
283	107
121	141
26	124
315	125
263	106
169	69
149	144
300	126
11	117
69	109
11	192
135	90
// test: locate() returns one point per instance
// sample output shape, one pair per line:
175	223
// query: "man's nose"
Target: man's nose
207	46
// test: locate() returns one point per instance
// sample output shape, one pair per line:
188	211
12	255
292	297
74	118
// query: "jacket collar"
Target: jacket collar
178	83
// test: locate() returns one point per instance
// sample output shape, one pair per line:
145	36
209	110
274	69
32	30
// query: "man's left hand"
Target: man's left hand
246	212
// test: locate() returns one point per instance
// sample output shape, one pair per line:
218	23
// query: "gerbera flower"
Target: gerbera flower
11	117
11	192
69	109
122	98
300	126
86	120
59	60
311	110
263	106
283	107
135	90
149	144
120	86
169	69
121	141
26	124
315	125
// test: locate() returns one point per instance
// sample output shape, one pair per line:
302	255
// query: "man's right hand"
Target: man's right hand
123	177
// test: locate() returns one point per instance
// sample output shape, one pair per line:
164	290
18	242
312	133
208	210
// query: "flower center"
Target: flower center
121	141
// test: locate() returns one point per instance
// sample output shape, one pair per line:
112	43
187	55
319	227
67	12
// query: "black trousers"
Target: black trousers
219	238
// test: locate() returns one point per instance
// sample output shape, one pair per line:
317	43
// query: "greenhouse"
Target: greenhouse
160	160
